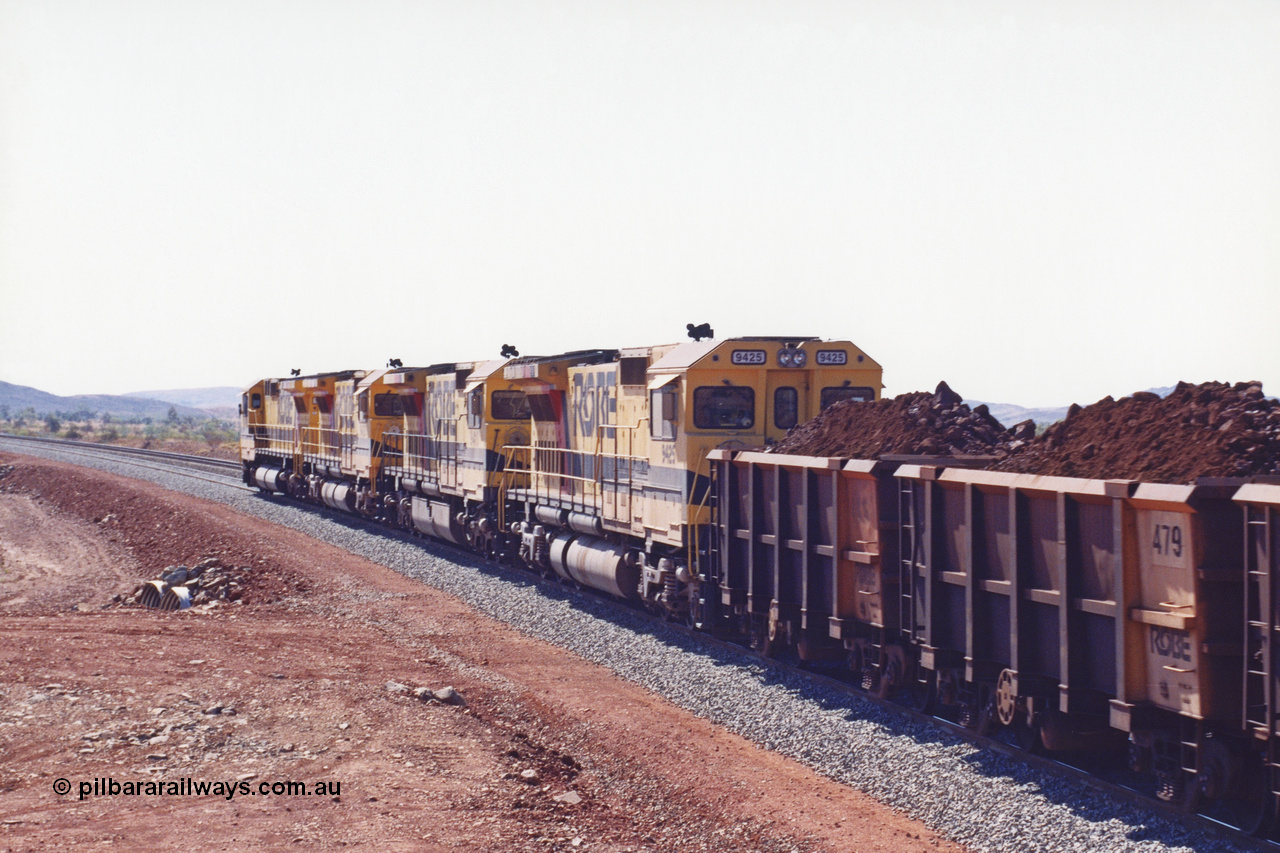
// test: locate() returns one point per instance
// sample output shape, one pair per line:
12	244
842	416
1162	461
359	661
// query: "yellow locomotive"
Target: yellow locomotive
591	465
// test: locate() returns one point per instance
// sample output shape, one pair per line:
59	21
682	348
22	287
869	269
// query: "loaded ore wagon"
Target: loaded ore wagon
1097	613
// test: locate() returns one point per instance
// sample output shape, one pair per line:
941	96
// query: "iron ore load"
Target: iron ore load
1111	581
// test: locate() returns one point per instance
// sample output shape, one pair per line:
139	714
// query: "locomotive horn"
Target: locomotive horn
700	332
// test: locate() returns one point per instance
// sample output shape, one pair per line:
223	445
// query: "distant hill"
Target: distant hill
221	401
1009	414
20	397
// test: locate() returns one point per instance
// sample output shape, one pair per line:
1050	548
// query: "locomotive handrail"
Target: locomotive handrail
544	483
329	445
600	455
692	554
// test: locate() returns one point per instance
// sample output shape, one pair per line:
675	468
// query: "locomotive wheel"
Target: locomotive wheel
693	618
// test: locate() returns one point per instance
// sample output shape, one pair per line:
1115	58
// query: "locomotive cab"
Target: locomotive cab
615	484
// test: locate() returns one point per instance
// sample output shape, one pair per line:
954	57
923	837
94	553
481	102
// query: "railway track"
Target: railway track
226	474
197	467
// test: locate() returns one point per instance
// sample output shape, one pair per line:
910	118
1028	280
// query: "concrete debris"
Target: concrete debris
205	584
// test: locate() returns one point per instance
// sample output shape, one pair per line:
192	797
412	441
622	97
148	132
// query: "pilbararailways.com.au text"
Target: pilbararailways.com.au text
188	787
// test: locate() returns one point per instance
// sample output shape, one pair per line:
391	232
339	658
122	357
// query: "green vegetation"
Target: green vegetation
213	436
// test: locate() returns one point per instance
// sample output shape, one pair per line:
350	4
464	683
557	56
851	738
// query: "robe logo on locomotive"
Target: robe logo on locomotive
594	405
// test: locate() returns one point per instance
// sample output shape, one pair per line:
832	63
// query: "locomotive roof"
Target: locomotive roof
686	355
297	383
582	356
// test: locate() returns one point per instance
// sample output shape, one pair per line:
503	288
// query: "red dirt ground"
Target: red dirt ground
299	670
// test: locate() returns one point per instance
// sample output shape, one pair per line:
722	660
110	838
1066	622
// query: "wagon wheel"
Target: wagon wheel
762	639
890	681
1245	803
978	715
987	721
1027	734
853	662
1265	822
920	692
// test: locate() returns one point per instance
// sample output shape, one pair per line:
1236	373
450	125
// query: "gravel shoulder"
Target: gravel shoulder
309	678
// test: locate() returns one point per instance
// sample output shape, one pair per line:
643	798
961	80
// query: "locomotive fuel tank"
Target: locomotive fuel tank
595	563
436	518
269	479
340	496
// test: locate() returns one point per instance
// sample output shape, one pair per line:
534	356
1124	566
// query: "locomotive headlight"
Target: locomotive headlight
789	357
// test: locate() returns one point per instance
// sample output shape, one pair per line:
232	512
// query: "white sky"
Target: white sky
1039	202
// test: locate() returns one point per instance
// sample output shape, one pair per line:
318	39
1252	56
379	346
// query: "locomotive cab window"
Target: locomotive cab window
475	407
662	413
387	406
786	407
724	407
831	396
255	401
509	406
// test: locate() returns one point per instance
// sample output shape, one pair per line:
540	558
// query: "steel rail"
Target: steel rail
172	463
183	458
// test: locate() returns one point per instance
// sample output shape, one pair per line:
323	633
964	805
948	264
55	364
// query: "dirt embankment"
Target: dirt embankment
324	670
1209	430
